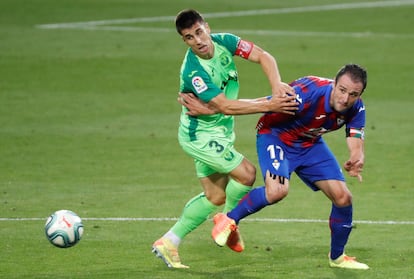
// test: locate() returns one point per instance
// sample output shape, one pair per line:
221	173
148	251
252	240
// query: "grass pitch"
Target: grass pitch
88	122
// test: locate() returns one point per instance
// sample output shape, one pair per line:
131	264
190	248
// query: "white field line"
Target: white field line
98	25
252	32
264	220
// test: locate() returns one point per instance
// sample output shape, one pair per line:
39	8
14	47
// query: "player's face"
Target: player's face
197	37
345	93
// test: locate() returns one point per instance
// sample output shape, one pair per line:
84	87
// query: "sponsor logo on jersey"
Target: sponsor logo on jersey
199	85
192	73
320	116
315	132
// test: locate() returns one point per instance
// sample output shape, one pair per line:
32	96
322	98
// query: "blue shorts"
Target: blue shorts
311	164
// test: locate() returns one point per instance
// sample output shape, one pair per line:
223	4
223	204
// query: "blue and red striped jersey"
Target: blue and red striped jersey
315	116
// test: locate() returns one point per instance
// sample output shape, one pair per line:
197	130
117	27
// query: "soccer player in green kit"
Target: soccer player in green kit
209	72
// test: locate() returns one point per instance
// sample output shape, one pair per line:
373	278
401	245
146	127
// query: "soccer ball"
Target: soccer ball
64	228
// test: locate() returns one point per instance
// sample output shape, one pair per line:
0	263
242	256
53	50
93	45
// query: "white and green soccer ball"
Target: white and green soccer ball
64	228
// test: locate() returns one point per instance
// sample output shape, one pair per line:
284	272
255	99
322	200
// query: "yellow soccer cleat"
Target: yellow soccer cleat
164	249
345	261
223	227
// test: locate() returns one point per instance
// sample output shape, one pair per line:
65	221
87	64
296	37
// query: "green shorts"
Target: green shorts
213	155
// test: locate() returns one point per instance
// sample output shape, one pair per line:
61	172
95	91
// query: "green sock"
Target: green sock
195	212
234	192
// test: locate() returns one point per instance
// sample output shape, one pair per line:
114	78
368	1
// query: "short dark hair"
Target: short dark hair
356	72
187	18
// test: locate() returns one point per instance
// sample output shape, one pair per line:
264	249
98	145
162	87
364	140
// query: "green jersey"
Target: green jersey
207	78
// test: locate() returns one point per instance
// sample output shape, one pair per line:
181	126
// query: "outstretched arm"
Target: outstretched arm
220	104
354	165
283	104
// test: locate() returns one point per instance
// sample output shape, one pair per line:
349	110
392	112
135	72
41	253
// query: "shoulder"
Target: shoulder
224	37
359	107
312	84
228	40
313	81
190	65
356	115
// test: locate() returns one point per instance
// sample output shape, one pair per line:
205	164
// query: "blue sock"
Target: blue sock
249	204
340	223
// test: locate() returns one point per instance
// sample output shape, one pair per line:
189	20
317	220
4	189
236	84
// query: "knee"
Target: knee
216	198
343	199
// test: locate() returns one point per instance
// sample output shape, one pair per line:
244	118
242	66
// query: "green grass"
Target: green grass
88	122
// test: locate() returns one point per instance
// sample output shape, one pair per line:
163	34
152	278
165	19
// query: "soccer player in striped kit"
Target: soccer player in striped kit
287	144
